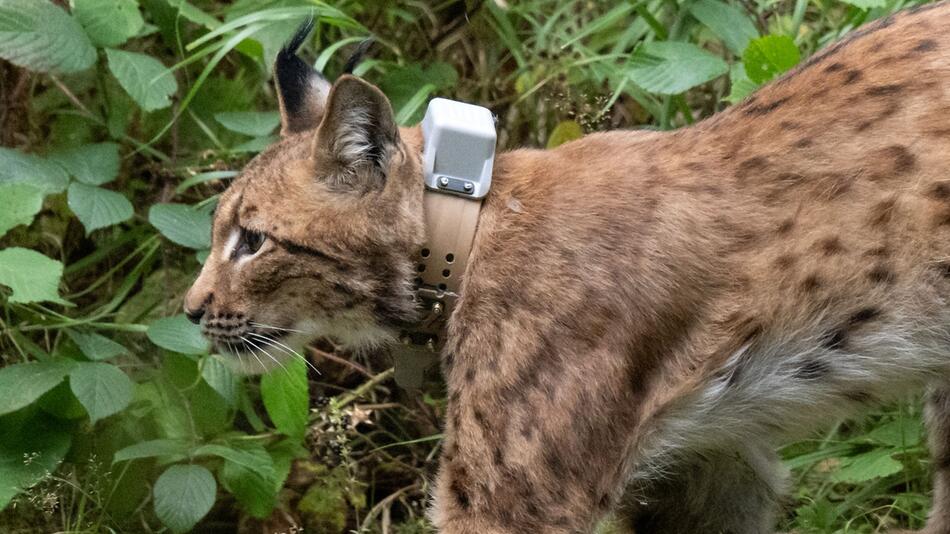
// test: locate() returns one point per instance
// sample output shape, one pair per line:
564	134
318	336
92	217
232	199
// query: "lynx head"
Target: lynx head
316	235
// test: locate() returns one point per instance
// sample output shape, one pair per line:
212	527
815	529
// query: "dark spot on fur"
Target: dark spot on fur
461	496
863	315
470	375
884	90
812	370
881	274
765	109
696	166
785	261
879	252
943	268
811	283
852	76
786	226
804	142
834	67
830	246
789	125
926	45
751	166
859	397
904	161
940	191
498	457
882	212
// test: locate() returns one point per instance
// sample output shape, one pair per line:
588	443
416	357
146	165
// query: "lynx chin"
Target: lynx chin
660	312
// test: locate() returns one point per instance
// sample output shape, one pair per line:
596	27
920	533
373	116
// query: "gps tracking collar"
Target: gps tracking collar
458	155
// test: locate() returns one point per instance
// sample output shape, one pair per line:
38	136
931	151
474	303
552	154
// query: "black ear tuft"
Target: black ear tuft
357	56
301	90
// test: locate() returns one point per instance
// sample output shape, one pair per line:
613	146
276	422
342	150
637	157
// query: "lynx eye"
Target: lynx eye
251	241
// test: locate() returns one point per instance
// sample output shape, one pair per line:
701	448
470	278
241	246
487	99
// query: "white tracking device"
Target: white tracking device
459	148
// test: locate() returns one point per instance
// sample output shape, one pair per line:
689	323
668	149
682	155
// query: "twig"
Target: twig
72	98
387	501
346	398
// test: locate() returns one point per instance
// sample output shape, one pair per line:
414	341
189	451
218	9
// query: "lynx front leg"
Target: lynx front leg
938	426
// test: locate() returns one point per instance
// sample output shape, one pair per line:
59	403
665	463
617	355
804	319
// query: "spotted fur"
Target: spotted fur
645	316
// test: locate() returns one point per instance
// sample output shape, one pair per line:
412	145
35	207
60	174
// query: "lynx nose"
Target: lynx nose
195	315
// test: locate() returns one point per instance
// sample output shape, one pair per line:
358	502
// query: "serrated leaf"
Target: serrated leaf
867	466
143	77
109	22
221	379
285	395
19	203
249	474
95	164
102	388
767	57
182	224
97	207
17	167
565	131
670	68
183	494
32	276
96	346
731	24
151	449
30	449
39	36
178	334
24	383
252	123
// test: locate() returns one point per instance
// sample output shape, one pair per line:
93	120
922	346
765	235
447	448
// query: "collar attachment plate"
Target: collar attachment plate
459	148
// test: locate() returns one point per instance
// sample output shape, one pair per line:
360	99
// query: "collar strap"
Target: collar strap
457	163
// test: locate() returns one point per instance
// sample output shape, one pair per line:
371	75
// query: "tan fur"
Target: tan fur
647	315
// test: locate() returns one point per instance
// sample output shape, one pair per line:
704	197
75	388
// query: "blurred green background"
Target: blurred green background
122	120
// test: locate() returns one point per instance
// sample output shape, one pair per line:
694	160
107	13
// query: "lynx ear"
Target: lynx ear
357	135
301	90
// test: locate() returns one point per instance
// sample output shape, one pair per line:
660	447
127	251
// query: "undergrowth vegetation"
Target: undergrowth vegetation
122	120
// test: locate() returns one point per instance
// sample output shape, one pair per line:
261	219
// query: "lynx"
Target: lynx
645	315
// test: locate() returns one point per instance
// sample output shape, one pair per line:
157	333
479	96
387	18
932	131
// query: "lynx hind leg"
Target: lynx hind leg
938	428
733	492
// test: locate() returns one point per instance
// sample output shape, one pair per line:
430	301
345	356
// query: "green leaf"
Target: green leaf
39	36
109	22
30	449
252	123
19	203
96	346
183	494
97	207
17	167
194	14
284	392
178	334
731	24
256	494
221	379
146	80
867	466
102	388
769	56
903	432
172	448
249	456
669	68
182	224
23	383
32	276
565	131
95	164
866	4
741	85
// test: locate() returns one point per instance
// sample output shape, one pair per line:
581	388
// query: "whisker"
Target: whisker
285	349
268	354
282	329
254	352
